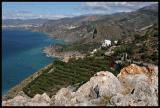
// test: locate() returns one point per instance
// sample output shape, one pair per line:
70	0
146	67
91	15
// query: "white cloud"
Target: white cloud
112	7
30	15
85	8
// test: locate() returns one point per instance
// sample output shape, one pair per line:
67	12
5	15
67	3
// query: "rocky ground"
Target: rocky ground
53	51
133	86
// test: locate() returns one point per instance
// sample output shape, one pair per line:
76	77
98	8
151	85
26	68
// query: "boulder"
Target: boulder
144	92
63	97
135	86
120	100
44	98
131	70
23	100
131	75
37	104
16	101
106	83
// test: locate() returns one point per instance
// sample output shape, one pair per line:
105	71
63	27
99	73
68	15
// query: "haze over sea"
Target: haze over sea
22	55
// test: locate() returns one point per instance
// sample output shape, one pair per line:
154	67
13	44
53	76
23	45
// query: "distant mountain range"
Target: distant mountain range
94	28
18	22
116	26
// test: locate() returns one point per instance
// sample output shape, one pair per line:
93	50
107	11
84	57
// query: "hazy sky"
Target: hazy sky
56	10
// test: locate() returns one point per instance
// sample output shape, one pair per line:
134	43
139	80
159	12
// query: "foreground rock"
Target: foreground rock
134	86
37	100
102	85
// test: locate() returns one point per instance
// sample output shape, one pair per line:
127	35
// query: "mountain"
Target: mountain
67	21
92	28
143	46
116	26
67	83
16	22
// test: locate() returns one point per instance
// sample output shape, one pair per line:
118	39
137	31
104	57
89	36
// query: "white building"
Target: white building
106	43
115	42
95	50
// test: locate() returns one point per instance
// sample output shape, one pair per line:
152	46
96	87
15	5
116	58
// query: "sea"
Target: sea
22	55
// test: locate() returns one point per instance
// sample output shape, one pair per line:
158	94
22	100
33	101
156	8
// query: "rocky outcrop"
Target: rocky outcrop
133	74
37	100
137	86
134	86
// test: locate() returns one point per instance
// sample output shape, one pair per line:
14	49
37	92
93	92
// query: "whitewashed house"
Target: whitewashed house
95	50
106	43
115	42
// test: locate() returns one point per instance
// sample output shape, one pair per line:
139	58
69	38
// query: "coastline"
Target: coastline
19	87
64	56
51	51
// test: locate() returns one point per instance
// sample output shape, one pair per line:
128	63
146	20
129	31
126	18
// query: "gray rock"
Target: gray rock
120	100
103	89
107	84
63	97
144	92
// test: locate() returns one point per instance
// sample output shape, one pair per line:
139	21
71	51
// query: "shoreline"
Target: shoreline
64	56
51	51
19	87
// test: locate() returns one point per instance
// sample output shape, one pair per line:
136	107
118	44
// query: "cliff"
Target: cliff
133	86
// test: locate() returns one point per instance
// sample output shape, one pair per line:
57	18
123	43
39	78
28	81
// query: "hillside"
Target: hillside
15	22
137	86
130	65
142	47
92	28
141	50
115	26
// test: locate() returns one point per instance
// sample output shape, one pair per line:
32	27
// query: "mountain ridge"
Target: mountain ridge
123	24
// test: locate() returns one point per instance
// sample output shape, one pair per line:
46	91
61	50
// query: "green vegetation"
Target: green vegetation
125	48
76	71
83	48
62	74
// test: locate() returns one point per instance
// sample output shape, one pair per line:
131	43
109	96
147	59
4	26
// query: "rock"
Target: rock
156	70
44	98
16	101
135	86
133	74
86	103
144	92
107	84
38	100
63	96
21	93
129	82
138	103
131	70
120	100
37	104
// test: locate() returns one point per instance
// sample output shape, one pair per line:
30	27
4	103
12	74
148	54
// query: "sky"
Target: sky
56	10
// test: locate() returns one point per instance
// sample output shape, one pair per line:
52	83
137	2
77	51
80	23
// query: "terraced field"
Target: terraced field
64	74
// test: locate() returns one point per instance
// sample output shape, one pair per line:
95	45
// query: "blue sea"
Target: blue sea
22	55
